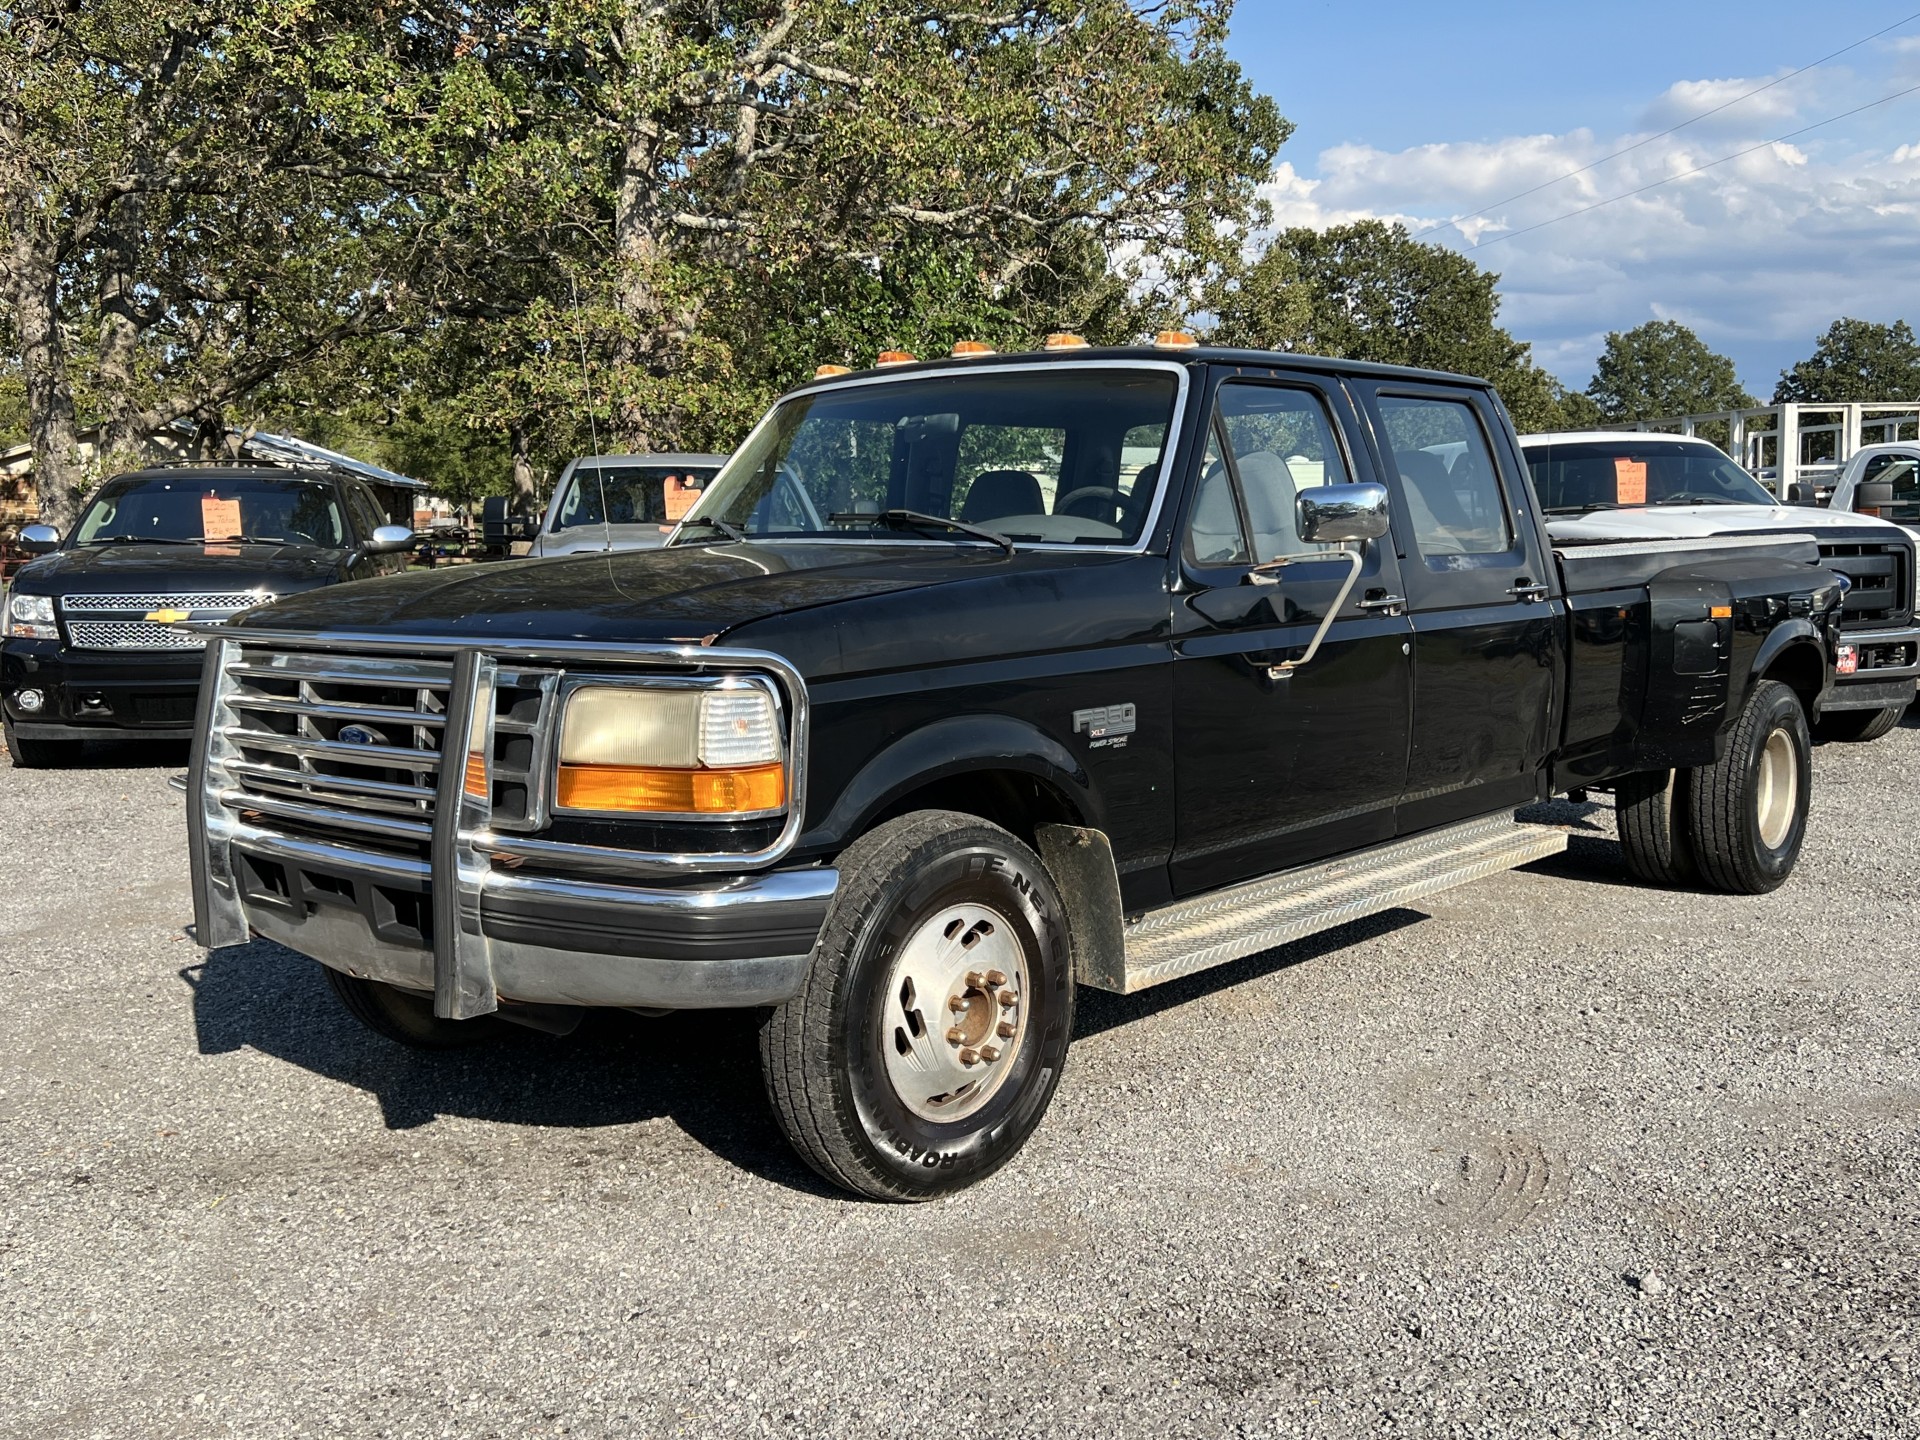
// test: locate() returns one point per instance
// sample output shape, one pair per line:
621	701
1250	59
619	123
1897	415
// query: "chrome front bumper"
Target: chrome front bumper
1872	687
469	924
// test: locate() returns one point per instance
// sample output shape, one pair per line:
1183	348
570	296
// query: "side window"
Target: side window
1280	441
367	514
1453	495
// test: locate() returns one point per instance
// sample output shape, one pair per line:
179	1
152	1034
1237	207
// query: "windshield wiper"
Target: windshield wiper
732	532
139	540
1583	509
918	520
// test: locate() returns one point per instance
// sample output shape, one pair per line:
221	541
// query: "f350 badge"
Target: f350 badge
1105	726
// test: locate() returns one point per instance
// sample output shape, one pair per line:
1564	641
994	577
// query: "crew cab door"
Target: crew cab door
1480	593
1276	768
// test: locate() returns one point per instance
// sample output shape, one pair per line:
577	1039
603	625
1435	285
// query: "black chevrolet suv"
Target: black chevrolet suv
89	647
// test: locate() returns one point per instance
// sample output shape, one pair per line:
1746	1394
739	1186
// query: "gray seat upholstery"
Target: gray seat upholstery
1440	525
998	493
1214	531
1271	507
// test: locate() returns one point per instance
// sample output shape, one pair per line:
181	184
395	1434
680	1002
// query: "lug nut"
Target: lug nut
969	1057
989	1053
996	977
1008	999
956	1035
956	1004
976	981
1004	1029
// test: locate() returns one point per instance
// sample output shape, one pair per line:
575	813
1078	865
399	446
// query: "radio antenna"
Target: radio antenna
593	423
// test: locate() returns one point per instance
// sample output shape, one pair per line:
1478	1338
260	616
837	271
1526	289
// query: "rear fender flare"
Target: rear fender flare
1787	636
957	745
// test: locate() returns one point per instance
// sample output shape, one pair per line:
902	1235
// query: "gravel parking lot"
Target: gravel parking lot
1553	1155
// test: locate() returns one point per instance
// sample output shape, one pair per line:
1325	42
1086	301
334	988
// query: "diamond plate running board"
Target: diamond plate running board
1243	920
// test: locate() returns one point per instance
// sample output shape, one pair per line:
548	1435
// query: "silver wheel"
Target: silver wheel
1777	793
952	1020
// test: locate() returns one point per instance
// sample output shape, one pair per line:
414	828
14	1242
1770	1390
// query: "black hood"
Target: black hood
690	593
126	567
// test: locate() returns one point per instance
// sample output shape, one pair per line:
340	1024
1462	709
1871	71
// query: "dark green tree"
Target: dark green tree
1856	360
1370	291
1662	368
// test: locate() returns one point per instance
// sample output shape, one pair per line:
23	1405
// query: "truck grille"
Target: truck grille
123	623
1882	576
130	635
348	747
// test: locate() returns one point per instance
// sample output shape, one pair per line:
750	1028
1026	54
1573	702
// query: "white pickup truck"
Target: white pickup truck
1881	480
1634	487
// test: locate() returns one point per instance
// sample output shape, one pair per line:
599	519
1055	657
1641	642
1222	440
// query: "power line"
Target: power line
1764	144
1703	115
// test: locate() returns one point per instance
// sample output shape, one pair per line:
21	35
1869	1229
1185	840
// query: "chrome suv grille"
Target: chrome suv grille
119	622
130	635
349	747
1881	573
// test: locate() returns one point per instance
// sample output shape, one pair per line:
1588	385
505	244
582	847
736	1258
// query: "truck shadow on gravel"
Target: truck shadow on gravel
699	1069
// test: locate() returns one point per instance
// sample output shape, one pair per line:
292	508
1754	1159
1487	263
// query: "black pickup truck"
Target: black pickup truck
966	683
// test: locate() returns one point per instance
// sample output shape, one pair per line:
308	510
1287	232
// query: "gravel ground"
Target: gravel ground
1553	1155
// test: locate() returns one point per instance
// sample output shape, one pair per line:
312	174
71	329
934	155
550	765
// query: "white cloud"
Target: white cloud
1758	253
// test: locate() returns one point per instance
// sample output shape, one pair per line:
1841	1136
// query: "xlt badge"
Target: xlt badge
1105	726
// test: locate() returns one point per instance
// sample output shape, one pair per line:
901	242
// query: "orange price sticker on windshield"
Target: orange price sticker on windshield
1630	482
219	519
679	497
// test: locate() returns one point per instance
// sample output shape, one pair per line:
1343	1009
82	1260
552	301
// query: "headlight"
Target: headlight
30	617
638	750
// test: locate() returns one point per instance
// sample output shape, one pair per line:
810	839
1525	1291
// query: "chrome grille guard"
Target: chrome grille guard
463	844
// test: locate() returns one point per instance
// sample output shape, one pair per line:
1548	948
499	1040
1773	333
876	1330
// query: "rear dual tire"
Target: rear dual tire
1737	825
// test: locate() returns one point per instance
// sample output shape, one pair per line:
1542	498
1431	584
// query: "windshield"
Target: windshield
633	494
1634	470
190	508
1053	454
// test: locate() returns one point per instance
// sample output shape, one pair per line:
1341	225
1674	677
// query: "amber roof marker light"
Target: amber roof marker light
1061	340
895	357
1175	340
828	372
972	350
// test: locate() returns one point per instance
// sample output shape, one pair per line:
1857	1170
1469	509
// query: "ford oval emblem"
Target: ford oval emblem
360	735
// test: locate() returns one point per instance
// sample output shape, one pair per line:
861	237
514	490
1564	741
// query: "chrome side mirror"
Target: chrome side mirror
1341	514
389	539
39	539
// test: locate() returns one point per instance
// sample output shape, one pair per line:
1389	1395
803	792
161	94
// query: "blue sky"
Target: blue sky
1426	113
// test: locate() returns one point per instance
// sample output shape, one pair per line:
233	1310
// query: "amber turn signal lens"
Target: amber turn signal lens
1720	612
476	782
647	789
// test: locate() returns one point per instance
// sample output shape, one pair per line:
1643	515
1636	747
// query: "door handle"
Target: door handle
1527	590
1379	600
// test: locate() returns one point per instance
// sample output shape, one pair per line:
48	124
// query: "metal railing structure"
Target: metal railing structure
1795	443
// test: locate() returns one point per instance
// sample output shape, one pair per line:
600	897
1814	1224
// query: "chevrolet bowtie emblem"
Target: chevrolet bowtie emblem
168	617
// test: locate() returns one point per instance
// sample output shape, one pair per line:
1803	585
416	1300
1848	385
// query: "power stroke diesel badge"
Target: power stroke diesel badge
1105	726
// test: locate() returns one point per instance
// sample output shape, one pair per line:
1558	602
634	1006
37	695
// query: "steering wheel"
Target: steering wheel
1126	506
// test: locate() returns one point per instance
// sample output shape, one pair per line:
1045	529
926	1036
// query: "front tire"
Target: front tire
40	754
936	1014
1857	726
405	1017
1749	809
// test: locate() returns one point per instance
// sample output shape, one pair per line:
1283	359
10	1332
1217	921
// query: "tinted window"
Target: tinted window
1066	455
1634	470
367	514
1454	503
630	494
190	507
1903	473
